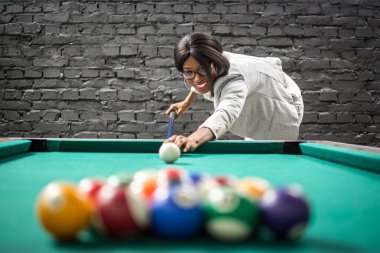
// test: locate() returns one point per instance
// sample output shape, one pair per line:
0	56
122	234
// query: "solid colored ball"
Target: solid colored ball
62	211
169	152
285	212
177	211
229	215
120	213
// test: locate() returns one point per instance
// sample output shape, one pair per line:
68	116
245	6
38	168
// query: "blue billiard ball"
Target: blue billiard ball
176	211
285	212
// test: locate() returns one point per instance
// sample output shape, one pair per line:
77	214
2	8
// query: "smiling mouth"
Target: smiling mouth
201	86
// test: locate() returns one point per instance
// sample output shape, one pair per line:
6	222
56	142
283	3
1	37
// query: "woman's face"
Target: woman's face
196	76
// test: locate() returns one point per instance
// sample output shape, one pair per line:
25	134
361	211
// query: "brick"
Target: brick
107	94
15	74
51	73
344	118
70	115
12	94
50	127
132	128
90	73
30	73
14	8
89	115
110	50
11	115
128	50
328	95
72	73
126	115
363	118
70	95
110	116
51	115
34	115
32	95
50	94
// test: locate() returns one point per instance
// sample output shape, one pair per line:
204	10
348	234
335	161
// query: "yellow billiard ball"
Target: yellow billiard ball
62	211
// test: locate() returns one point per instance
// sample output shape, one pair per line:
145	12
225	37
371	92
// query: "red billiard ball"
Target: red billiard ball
62	211
120	213
285	212
172	176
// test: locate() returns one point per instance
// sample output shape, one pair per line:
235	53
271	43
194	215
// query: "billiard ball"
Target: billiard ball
229	215
62	211
90	186
253	187
176	211
285	212
144	183
172	176
119	179
169	152
120	213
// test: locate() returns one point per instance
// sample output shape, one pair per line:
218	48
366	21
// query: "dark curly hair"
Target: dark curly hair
206	50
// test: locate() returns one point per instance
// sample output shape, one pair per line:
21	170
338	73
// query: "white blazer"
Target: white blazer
256	99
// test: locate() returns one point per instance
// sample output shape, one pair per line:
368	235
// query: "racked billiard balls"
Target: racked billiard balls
169	152
285	212
62	211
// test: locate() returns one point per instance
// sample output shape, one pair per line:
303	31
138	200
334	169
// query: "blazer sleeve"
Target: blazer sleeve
230	98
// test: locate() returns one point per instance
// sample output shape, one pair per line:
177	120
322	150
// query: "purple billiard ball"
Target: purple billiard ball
285	212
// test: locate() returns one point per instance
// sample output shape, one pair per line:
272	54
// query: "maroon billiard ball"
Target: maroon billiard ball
120	213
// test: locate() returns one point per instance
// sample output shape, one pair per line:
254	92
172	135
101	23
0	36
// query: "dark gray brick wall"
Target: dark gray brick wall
104	69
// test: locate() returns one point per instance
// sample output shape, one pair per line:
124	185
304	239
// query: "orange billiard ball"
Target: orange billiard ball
62	211
253	187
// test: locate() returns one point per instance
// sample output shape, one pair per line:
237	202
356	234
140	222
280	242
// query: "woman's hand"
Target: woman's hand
189	144
186	144
179	108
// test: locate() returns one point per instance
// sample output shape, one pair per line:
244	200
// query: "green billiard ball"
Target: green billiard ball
229	215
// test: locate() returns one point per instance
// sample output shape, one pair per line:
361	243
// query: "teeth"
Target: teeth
202	85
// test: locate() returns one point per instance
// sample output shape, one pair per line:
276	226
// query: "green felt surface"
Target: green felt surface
345	200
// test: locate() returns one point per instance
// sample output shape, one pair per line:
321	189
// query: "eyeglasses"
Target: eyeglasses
188	75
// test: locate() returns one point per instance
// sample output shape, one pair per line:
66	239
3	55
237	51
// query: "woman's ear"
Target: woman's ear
214	70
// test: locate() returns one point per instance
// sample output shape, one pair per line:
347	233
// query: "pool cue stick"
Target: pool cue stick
171	123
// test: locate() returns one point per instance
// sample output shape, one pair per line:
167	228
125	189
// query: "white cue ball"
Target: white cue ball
169	152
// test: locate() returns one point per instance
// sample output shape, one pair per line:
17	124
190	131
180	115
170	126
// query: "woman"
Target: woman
253	97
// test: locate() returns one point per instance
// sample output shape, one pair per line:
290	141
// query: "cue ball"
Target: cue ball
169	152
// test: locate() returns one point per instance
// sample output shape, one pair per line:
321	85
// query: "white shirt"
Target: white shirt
256	99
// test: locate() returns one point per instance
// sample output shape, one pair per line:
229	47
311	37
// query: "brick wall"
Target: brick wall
104	69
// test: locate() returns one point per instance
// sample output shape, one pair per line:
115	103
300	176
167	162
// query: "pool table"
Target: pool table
341	182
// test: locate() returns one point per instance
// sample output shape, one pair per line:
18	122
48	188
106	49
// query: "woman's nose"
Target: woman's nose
197	77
